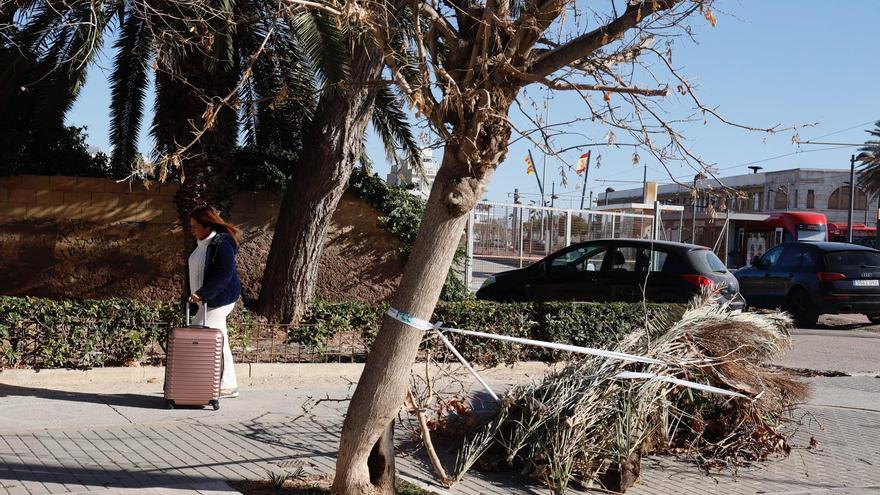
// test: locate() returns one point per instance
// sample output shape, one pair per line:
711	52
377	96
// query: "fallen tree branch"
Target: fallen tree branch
429	445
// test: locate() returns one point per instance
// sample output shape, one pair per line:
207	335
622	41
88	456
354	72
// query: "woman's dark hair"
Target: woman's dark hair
209	217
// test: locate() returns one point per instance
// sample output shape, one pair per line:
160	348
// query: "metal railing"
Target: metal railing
501	237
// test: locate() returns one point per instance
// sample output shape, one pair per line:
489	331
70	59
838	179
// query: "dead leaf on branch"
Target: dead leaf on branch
610	138
710	16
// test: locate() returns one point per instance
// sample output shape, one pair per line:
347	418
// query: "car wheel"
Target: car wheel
803	311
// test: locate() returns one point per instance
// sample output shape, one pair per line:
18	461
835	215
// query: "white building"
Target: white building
422	181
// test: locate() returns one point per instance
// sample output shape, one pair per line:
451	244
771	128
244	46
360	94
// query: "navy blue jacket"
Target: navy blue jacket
221	285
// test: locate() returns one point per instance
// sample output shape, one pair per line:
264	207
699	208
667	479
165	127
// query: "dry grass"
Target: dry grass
583	425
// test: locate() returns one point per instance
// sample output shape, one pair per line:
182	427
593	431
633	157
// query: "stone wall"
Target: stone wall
34	197
85	237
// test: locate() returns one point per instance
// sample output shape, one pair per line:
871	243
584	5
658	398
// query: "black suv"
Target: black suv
617	270
809	279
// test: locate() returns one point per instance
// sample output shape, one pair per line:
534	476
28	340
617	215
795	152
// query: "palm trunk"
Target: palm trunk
460	183
179	109
331	146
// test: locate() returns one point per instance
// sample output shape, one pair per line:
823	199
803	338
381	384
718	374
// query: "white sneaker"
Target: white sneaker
229	394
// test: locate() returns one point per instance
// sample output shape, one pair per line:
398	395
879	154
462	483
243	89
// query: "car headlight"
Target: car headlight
489	281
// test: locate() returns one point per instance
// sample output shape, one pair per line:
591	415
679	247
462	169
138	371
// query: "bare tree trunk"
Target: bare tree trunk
459	185
331	146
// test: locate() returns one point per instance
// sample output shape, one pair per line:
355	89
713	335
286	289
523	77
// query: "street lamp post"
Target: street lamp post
862	157
697	178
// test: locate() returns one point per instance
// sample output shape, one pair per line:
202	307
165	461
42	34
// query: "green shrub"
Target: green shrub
515	320
401	216
42	333
600	325
324	320
75	334
582	324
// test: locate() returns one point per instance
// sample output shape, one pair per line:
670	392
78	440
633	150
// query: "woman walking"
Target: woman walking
213	281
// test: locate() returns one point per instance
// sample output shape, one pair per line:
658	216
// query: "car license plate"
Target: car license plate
867	283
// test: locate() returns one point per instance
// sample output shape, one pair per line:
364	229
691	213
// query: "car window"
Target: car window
795	258
790	259
583	259
638	259
712	261
770	257
853	259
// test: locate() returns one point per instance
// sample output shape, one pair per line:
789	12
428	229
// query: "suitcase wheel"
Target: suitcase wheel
169	403
215	404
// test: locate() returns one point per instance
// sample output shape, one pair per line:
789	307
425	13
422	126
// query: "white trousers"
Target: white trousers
217	319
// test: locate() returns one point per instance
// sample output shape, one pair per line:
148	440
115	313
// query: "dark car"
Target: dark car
616	270
809	279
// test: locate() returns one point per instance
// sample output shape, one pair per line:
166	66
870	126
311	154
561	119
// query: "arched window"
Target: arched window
839	199
780	202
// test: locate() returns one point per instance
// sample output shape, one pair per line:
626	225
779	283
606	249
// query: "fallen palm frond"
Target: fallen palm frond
585	424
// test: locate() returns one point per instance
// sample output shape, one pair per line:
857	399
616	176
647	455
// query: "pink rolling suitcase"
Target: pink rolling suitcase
194	365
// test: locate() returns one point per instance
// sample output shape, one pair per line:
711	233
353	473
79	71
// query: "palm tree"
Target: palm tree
199	60
869	176
199	64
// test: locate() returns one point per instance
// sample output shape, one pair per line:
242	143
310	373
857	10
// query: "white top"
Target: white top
197	263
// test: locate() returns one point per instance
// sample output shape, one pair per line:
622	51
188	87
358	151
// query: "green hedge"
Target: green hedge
42	333
584	324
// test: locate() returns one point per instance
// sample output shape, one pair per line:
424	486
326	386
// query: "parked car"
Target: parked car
617	270
809	279
870	242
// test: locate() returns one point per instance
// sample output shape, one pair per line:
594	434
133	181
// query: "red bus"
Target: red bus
837	232
798	226
755	237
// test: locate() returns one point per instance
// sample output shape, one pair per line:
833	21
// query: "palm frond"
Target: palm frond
128	84
391	123
324	43
364	157
73	49
869	174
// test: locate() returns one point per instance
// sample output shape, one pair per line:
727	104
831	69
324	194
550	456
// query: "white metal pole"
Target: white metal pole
522	211
568	228
655	229
469	259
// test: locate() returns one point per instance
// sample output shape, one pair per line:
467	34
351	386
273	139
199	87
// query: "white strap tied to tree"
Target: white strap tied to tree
438	327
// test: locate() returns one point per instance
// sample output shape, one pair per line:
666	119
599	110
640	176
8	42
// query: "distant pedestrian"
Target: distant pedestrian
213	281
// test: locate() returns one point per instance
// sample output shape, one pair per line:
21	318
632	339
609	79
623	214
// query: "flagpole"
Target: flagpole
586	174
535	172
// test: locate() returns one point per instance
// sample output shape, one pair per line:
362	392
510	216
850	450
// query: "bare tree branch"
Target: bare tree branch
588	43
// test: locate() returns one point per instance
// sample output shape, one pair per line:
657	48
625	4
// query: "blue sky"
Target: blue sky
772	62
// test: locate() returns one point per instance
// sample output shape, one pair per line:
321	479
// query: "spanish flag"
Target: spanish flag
531	168
583	163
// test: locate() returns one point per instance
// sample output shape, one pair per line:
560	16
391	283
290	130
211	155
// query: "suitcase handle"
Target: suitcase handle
205	315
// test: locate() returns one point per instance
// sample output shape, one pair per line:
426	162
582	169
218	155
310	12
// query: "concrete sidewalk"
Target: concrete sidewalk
91	434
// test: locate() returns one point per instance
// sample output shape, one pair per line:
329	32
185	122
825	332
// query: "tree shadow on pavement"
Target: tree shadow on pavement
104	476
116	400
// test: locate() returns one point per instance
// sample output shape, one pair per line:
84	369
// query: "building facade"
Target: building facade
405	175
802	189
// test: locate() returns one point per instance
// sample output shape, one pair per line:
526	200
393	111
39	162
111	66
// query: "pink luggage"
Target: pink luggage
194	365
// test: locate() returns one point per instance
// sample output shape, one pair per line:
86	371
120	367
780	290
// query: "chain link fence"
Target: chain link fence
501	237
